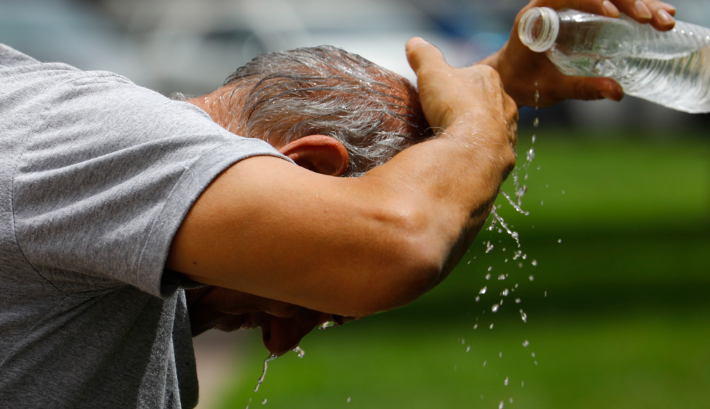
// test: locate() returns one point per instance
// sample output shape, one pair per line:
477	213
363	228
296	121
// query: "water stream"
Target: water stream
263	373
515	199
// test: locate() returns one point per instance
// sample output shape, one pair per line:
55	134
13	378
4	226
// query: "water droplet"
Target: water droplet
531	278
491	326
502	404
545	293
248	403
524	316
300	353
478	298
533	355
526	343
520	265
490	268
559	240
535	362
505	293
501	277
468	348
563	192
536	122
263	373
348	399
530	154
327	324
483	290
495	307
533	138
484	363
263	402
534	262
469	261
516	285
505	382
542	203
500	354
489	247
525	256
488	276
522	384
463	341
517	300
475	326
500	220
511	400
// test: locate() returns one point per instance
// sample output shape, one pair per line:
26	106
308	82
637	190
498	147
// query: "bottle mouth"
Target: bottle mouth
538	28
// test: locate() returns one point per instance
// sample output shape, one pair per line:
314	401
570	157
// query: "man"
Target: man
114	199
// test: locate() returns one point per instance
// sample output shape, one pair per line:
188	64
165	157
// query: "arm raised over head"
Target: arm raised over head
356	246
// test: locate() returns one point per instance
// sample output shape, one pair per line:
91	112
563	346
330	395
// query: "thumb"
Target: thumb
590	88
421	52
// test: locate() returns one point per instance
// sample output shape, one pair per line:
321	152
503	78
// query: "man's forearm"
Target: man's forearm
355	246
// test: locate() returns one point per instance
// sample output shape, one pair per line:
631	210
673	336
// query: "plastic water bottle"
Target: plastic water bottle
669	68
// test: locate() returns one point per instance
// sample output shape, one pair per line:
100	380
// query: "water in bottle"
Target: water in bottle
669	68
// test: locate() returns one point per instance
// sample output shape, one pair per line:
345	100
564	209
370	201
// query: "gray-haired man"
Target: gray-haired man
114	199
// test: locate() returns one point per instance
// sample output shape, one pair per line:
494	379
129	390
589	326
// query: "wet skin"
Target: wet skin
283	325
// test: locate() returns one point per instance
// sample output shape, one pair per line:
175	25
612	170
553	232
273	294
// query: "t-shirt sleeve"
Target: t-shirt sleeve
106	177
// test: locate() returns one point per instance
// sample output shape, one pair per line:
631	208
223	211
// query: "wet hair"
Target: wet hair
283	96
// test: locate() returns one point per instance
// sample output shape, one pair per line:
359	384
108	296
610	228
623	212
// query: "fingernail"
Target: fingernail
664	17
642	10
669	7
610	10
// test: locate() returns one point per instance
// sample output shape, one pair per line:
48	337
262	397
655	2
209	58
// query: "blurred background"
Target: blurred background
605	306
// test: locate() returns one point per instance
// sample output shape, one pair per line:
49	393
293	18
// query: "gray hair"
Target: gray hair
283	96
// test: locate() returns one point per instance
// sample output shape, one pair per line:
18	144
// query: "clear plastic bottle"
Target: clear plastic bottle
669	68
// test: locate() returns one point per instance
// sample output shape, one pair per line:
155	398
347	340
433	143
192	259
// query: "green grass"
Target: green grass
618	312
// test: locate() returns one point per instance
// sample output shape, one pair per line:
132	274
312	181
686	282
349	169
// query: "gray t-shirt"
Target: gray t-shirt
96	175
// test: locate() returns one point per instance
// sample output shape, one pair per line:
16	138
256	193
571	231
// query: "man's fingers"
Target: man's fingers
421	52
592	88
659	14
662	15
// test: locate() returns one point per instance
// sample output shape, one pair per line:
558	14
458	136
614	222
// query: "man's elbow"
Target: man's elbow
411	263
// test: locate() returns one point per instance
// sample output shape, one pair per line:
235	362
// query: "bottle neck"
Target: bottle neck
538	28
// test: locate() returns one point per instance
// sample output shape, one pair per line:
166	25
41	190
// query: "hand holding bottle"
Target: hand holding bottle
523	71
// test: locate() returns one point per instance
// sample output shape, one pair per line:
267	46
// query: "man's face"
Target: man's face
282	325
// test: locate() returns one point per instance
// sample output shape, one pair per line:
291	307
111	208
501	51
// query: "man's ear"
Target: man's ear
318	153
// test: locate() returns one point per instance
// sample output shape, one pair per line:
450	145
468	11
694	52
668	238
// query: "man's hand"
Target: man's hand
521	69
479	123
282	324
472	96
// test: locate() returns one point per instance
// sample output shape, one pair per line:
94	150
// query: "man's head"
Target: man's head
331	112
286	96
